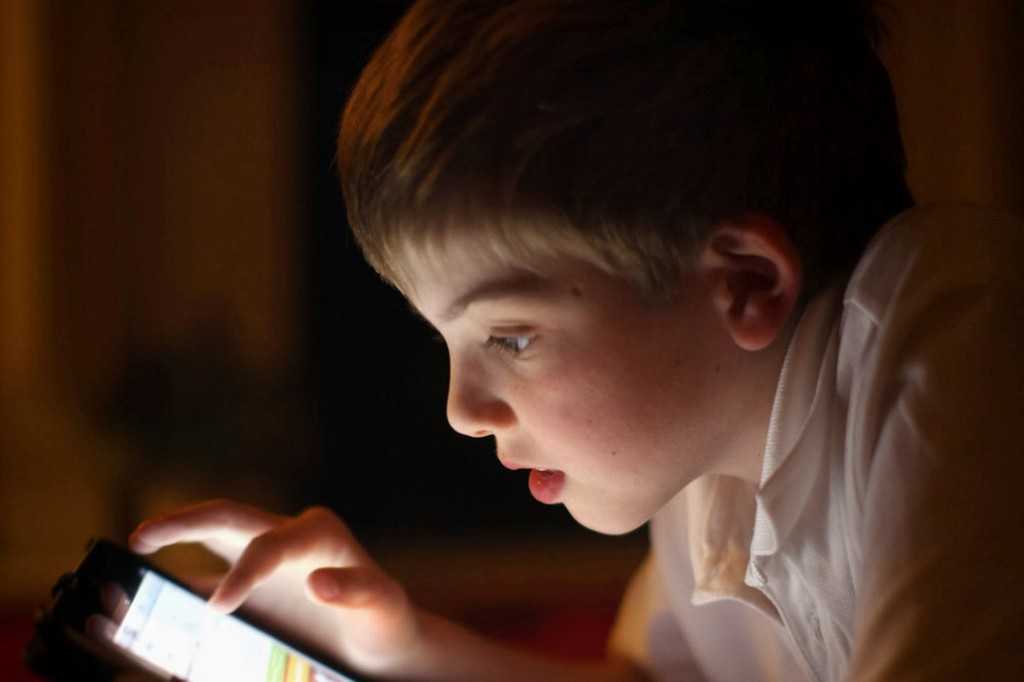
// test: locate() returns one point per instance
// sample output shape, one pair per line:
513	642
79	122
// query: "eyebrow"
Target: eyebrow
518	284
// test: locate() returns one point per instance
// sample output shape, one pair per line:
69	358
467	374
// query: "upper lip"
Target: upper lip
508	464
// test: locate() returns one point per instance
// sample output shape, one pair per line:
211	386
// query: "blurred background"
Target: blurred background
184	315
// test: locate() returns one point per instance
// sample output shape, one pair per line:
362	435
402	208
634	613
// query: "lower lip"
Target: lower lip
546	486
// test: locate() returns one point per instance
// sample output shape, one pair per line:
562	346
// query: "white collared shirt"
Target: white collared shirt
884	541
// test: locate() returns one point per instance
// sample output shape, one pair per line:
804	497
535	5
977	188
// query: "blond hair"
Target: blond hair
622	132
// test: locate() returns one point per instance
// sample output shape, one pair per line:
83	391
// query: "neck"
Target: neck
761	372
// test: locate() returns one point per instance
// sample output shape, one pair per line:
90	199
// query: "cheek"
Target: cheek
565	412
571	411
589	420
619	403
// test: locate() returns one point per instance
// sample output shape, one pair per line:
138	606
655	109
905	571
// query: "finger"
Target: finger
223	520
224	526
114	601
314	539
100	628
354	587
203	584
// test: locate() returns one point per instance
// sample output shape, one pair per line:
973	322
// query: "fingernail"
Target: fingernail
220	607
324	586
139	546
217	603
135	540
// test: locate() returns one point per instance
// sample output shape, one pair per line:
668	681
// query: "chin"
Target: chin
606	521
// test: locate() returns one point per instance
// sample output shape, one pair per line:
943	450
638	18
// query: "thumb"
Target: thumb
353	587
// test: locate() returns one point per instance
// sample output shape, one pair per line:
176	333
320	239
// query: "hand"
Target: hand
114	602
306	576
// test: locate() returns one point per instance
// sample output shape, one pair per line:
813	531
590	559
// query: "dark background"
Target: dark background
391	464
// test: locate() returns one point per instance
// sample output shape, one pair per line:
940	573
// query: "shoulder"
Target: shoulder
929	250
929	336
931	271
934	394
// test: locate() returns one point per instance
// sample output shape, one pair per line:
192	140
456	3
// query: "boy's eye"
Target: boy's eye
509	344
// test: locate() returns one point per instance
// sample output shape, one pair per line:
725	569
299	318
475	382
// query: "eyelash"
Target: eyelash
509	344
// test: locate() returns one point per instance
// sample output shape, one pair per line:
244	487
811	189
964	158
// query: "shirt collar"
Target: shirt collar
803	388
728	519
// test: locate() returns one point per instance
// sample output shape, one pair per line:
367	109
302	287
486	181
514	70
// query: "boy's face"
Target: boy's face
623	401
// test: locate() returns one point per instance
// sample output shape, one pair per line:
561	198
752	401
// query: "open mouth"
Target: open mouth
546	485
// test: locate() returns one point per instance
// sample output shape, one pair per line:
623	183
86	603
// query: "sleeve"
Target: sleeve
941	595
628	636
646	633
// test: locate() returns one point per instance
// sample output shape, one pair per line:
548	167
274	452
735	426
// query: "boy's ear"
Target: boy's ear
754	277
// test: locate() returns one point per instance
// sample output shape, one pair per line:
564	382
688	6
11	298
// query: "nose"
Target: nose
474	407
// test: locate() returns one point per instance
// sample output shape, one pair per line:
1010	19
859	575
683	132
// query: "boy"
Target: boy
642	229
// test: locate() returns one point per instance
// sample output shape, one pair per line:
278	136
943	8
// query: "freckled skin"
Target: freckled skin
630	399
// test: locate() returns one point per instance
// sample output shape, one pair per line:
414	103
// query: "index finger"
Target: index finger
223	526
